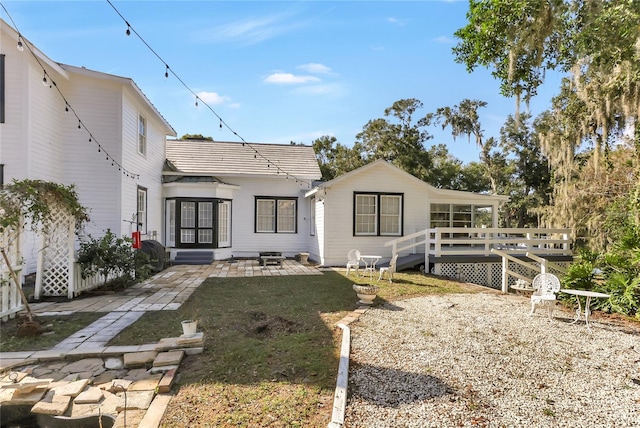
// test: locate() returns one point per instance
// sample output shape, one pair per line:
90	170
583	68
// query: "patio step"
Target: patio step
193	258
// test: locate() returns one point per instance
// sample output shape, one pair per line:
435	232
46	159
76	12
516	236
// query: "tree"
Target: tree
463	119
334	158
596	44
400	141
195	137
527	175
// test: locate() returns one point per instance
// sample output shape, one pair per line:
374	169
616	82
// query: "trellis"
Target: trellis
54	275
10	300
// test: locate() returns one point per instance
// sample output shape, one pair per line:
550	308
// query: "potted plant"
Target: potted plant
190	324
366	293
189	327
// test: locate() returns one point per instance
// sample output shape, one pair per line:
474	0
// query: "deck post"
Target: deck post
505	276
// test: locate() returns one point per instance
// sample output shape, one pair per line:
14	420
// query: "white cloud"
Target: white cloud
248	31
313	67
393	20
290	79
213	97
444	39
326	89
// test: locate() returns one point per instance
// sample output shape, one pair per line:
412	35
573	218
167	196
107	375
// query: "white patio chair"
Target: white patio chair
545	286
390	270
353	261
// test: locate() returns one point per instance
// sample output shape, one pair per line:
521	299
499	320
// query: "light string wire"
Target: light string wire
256	153
22	43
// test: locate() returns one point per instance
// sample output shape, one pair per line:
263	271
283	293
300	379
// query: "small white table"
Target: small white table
370	264
588	295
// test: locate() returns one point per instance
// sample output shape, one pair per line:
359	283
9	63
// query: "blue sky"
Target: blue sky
275	71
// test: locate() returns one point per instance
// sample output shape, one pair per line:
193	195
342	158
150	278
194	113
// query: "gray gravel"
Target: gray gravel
479	360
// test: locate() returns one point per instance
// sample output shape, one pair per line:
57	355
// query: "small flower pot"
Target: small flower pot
189	328
366	293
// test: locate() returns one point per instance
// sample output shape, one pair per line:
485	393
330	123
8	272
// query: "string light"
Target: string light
166	71
197	98
48	81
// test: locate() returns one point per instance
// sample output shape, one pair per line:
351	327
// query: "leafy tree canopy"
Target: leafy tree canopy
195	137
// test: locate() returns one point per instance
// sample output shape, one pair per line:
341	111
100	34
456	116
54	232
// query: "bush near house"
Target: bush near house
113	257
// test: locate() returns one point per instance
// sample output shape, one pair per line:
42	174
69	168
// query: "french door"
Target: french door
198	223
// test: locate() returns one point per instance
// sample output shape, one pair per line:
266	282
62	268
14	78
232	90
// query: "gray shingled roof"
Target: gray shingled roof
233	159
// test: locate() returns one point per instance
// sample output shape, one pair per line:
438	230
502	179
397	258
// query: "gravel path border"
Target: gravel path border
479	360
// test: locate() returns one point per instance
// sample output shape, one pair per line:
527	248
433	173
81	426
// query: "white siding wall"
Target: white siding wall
30	150
338	213
149	166
98	104
247	243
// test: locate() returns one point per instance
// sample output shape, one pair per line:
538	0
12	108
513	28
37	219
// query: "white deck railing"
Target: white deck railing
462	241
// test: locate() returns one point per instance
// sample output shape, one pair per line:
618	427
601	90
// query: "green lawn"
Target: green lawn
57	328
271	346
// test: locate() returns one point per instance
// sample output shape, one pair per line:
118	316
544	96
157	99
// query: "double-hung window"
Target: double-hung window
276	215
377	214
142	210
142	135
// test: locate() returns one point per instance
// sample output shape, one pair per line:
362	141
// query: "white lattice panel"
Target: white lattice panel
489	274
56	254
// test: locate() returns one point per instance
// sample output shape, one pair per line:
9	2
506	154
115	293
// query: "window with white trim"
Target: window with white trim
377	214
142	135
142	210
276	215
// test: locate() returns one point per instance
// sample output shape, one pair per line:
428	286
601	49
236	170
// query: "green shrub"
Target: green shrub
111	256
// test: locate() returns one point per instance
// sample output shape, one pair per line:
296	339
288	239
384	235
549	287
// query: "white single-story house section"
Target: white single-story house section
113	157
379	202
237	199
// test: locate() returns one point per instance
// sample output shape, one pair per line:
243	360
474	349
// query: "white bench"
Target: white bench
271	258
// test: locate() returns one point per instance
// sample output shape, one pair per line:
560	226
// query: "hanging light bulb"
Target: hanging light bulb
79	126
221	125
66	107
44	80
98	149
166	71
19	46
128	29
196	101
89	139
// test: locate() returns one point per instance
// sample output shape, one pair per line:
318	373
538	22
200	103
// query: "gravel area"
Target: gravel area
479	360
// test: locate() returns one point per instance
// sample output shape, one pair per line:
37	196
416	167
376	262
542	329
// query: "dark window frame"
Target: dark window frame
214	222
275	219
378	196
141	225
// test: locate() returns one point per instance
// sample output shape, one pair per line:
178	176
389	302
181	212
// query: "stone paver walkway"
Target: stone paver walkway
165	291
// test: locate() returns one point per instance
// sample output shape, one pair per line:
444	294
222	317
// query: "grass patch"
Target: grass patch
57	329
271	346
